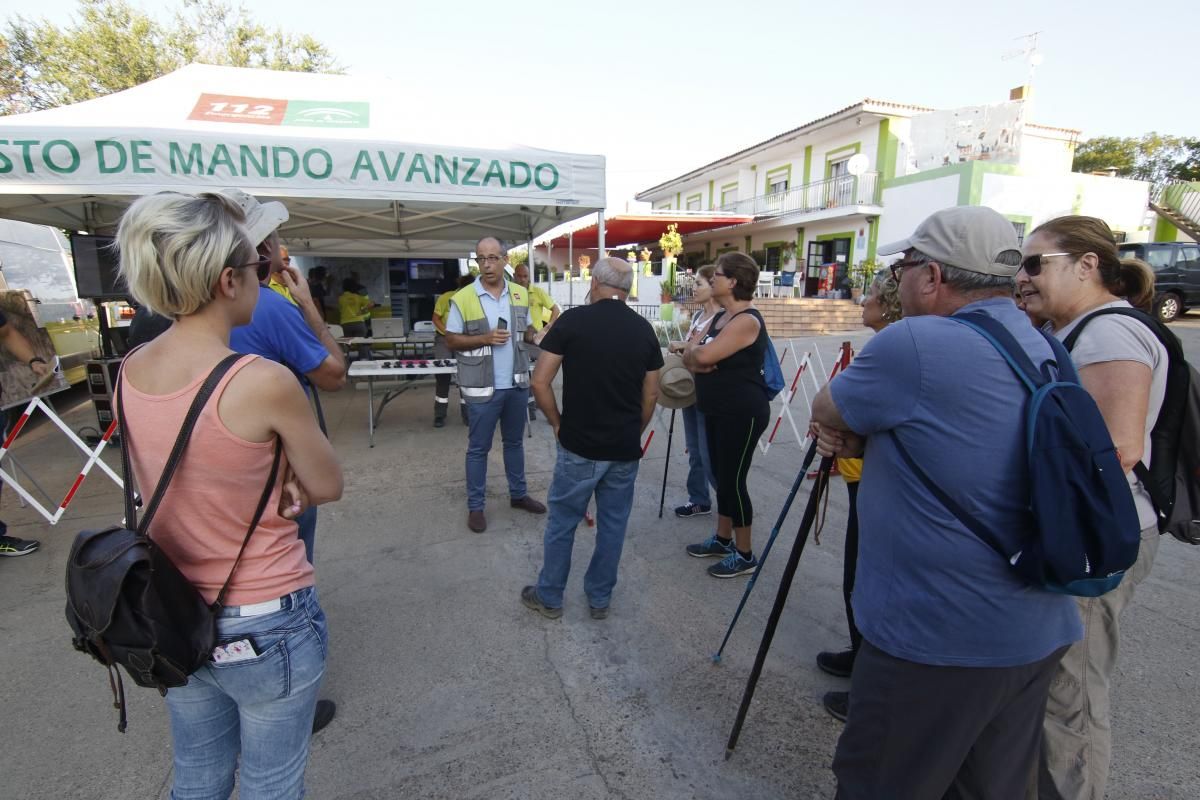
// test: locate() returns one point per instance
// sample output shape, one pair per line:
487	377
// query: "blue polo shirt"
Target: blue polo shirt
926	589
278	331
502	356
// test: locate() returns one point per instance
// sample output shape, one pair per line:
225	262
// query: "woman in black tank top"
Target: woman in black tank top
731	393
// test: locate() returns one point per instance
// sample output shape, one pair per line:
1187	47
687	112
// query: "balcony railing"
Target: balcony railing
839	192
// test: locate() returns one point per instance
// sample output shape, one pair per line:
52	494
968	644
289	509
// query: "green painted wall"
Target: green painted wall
1164	231
808	164
887	151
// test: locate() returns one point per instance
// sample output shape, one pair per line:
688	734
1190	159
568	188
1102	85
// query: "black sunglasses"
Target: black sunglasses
262	267
1033	264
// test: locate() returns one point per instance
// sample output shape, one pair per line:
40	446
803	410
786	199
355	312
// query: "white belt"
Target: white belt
258	609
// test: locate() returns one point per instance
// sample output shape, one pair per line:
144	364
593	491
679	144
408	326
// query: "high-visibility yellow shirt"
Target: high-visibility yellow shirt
541	307
353	307
283	290
441	309
851	469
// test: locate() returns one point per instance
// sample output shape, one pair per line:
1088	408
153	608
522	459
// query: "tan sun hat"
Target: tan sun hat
974	238
676	384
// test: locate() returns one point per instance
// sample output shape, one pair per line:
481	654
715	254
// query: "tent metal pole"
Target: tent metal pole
571	268
600	233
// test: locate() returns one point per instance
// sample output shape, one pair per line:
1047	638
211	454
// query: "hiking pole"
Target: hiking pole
662	498
762	559
789	572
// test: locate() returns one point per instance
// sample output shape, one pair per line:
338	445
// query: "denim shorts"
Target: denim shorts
258	710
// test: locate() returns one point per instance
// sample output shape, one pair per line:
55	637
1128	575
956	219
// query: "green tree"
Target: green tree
1189	168
109	46
1151	157
1106	152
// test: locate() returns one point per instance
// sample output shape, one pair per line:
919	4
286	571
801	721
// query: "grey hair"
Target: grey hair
613	273
966	281
497	240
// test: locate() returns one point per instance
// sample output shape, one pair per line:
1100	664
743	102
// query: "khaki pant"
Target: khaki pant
1077	736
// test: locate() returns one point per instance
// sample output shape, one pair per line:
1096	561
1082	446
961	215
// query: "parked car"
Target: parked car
1176	268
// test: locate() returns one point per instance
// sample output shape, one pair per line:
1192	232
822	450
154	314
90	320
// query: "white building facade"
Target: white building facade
825	195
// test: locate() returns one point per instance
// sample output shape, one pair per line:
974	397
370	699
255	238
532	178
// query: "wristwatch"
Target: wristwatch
30	362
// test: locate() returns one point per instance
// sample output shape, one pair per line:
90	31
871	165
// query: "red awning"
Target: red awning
645	228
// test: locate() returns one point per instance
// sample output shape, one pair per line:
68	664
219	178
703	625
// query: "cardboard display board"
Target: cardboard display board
16	378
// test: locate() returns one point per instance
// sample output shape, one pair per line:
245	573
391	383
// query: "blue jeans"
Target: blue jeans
260	709
308	531
575	479
506	406
700	474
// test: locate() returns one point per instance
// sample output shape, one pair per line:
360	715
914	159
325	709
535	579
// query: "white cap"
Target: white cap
261	218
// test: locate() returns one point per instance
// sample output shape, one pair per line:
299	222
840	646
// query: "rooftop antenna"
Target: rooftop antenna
1031	54
1033	58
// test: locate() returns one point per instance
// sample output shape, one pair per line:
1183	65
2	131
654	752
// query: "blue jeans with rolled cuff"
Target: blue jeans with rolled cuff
575	480
258	711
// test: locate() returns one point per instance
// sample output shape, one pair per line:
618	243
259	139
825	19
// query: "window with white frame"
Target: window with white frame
777	183
1019	228
729	195
693	203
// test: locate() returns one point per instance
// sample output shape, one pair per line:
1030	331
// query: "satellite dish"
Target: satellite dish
857	164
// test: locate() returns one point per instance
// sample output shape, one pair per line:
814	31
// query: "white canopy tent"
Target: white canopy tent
350	159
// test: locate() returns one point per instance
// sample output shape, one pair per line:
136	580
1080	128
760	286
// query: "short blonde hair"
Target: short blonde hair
173	247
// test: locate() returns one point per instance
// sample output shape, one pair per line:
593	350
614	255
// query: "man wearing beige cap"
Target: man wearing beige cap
949	688
610	360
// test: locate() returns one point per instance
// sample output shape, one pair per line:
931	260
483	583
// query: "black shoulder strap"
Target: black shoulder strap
185	432
262	506
1168	339
1173	401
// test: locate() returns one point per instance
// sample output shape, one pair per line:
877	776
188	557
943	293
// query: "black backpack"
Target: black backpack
127	604
1173	480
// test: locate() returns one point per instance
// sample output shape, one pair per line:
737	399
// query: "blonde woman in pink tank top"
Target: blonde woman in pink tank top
190	258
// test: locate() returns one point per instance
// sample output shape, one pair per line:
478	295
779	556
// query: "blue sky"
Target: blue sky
662	87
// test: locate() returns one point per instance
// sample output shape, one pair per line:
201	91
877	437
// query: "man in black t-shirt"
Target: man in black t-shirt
610	360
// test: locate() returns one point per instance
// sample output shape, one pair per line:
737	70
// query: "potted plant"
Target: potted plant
671	244
647	270
860	275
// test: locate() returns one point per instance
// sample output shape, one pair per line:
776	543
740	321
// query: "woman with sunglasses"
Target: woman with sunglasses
731	393
699	476
188	257
1071	269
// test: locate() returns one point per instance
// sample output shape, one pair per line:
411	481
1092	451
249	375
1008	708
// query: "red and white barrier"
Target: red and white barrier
805	367
93	458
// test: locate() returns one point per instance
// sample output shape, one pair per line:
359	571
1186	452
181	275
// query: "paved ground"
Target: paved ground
448	688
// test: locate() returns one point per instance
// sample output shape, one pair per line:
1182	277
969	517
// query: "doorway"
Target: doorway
820	255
